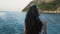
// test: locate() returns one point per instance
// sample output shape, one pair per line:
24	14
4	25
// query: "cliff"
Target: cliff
46	5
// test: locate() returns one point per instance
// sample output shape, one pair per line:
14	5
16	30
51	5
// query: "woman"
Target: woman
33	25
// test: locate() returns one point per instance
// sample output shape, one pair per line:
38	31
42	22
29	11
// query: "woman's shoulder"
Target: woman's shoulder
43	21
43	30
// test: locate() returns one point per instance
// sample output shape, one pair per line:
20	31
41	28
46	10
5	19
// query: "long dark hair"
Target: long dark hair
32	21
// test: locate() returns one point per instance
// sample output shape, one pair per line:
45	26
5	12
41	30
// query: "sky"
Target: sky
13	5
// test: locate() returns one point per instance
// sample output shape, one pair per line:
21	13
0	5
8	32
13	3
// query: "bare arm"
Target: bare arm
44	25
24	29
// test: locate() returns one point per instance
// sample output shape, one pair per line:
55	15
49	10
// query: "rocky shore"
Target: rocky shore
50	12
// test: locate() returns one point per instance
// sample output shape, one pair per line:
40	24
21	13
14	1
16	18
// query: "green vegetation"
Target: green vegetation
25	9
50	6
47	6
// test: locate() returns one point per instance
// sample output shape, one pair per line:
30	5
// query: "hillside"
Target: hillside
46	5
27	7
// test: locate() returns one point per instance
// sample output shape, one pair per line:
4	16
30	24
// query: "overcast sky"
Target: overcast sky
13	5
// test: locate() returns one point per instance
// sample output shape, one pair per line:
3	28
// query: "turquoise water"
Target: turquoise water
13	22
52	23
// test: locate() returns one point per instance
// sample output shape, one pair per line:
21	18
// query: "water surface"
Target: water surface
13	22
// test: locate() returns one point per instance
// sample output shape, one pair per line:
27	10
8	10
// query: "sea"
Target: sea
13	22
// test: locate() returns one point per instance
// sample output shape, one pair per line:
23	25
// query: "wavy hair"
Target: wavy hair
32	21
